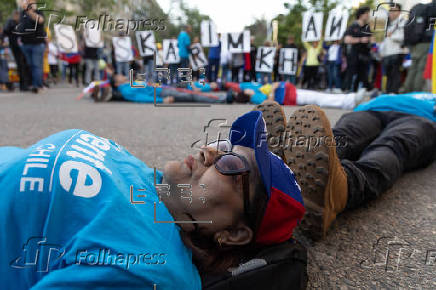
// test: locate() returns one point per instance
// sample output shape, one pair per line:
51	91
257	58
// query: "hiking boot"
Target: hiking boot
275	121
317	169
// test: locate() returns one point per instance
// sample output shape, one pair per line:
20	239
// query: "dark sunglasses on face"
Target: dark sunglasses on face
231	163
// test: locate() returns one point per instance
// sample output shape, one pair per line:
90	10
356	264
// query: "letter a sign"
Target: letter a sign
312	26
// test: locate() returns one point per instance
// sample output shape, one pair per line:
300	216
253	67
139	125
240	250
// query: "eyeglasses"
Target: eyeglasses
231	163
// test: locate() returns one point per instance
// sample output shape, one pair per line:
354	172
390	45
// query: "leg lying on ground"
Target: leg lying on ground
408	142
395	142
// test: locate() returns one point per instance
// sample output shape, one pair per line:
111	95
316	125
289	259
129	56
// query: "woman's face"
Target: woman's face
214	198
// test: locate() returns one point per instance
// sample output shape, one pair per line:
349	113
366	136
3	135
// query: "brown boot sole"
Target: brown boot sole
308	155
275	120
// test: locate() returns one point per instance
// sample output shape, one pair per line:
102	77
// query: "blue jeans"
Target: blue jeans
34	56
225	73
265	78
213	68
333	75
123	68
149	70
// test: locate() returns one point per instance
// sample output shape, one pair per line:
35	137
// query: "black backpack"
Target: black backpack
278	267
415	29
431	20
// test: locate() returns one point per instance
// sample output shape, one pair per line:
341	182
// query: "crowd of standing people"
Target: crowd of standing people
356	61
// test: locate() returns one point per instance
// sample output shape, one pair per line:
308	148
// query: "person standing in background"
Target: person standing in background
237	65
418	35
20	60
313	51
4	71
266	77
214	61
392	51
290	43
184	43
91	57
225	62
250	62
358	38
334	62
277	77
53	57
32	34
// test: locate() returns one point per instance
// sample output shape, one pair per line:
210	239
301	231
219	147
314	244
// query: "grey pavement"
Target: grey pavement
388	244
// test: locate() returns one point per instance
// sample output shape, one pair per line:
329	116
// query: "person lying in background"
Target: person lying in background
147	93
285	93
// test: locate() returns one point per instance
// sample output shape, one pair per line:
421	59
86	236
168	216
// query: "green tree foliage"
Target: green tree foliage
259	30
193	17
6	8
291	23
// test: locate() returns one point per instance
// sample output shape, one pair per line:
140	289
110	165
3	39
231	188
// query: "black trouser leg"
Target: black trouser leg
349	78
405	143
354	132
23	71
362	75
392	66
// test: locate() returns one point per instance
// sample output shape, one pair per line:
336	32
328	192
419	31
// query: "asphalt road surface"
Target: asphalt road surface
388	244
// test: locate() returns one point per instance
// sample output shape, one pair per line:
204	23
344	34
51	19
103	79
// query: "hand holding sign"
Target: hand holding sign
123	48
288	61
265	59
209	37
312	26
236	42
336	25
65	38
170	51
93	35
146	42
197	58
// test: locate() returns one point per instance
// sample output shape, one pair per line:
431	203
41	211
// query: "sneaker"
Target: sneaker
275	120
317	169
337	91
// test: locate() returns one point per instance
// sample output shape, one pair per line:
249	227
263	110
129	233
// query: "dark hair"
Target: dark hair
241	97
362	10
395	5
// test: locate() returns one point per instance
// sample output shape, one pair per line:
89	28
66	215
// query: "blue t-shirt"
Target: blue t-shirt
203	87
67	219
419	104
140	95
183	42
258	96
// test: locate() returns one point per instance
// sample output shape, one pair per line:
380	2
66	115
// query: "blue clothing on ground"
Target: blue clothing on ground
140	95
419	104
279	93
258	96
67	219
183	42
203	87
250	85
